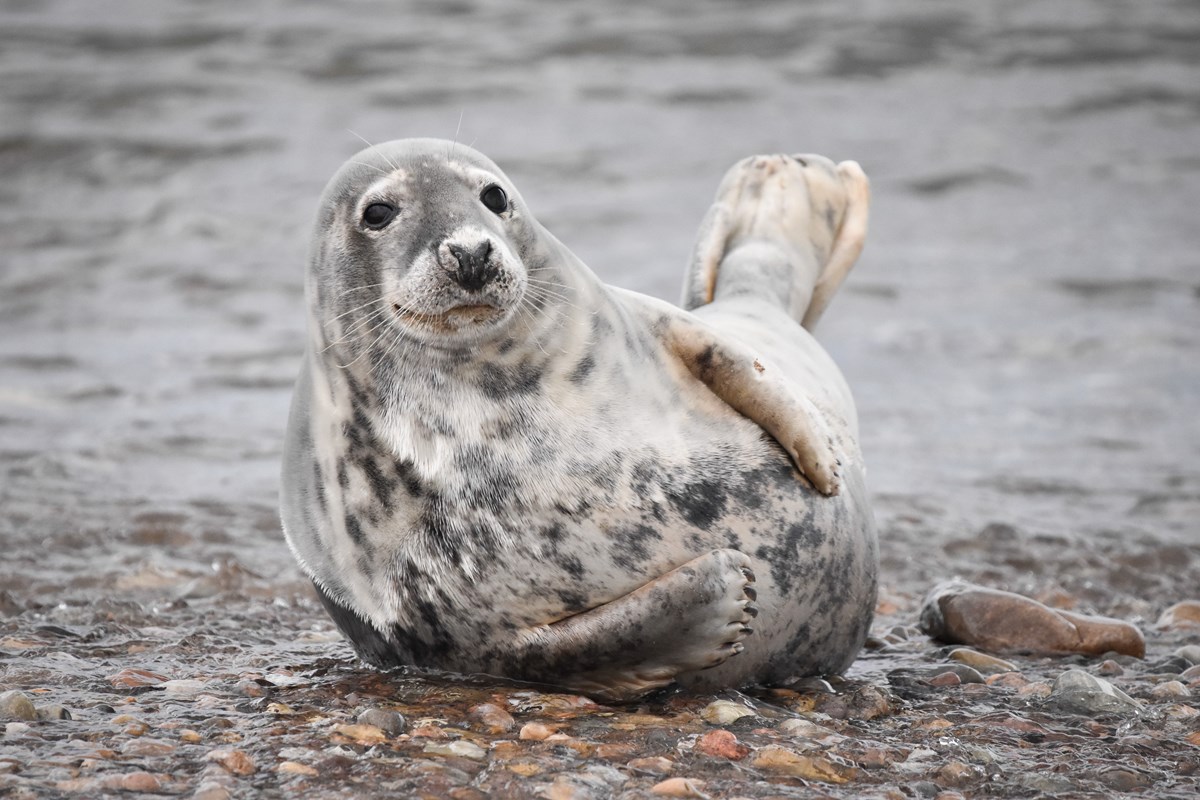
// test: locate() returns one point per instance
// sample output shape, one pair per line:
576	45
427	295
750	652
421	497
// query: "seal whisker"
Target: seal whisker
358	289
367	304
363	327
375	149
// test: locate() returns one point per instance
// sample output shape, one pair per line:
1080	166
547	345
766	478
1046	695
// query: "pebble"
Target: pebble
803	729
1191	673
238	762
722	744
1180	615
147	747
1110	668
954	774
865	702
133	678
723	712
679	787
296	768
998	621
1009	680
361	734
54	712
1170	690
789	762
1081	692
189	736
536	731
1189	652
16	729
16	705
653	764
491	718
211	791
988	665
459	748
390	722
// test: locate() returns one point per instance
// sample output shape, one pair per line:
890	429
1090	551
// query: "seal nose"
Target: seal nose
473	271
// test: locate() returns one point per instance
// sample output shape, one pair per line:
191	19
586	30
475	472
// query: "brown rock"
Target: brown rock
238	762
536	731
722	744
1170	690
1003	622
816	768
654	764
133	678
491	718
954	774
1181	615
296	768
679	787
140	782
1009	680
360	733
945	679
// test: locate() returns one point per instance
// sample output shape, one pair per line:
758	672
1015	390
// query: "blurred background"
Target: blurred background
1021	332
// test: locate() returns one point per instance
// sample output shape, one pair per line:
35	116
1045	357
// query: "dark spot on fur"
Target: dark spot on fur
631	546
381	485
583	369
499	383
701	502
704	361
572	601
571	564
355	531
342	475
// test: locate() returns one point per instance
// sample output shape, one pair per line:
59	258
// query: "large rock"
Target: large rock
1003	622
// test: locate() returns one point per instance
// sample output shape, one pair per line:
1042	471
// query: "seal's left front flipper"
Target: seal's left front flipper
752	386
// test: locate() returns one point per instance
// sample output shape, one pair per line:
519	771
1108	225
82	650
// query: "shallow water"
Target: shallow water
1021	332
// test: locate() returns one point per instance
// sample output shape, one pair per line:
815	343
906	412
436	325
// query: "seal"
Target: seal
495	463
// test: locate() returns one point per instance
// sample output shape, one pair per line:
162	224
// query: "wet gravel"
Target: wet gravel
1020	334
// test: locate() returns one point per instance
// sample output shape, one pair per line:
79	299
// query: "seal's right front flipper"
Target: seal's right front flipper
692	618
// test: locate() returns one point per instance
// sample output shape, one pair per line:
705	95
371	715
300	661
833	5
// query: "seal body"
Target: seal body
496	463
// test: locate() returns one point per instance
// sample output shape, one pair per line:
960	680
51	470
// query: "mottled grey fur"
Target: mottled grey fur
545	485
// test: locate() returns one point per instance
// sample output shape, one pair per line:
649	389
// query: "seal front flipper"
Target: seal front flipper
751	386
692	618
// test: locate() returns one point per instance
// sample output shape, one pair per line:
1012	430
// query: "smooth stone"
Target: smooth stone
1170	690
961	613
492	718
1189	652
53	712
458	748
16	705
815	768
988	665
723	712
1081	692
722	744
392	723
1181	615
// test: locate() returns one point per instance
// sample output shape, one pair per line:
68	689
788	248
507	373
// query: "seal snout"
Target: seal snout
474	271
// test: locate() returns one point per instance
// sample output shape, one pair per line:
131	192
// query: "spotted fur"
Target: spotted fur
554	480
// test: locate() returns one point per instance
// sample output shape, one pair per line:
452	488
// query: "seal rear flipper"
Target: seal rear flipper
694	617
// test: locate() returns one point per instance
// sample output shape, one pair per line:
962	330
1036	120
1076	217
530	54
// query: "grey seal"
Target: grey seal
495	463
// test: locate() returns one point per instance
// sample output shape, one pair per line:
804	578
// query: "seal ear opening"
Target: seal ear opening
847	242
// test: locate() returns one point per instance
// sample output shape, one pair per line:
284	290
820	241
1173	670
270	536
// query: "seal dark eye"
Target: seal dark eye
495	199
377	215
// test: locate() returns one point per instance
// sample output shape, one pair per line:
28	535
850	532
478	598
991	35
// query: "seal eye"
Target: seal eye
377	215
495	199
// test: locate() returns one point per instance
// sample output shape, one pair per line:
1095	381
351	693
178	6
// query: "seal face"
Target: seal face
495	463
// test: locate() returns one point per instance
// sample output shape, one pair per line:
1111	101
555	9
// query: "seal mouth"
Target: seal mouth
453	318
